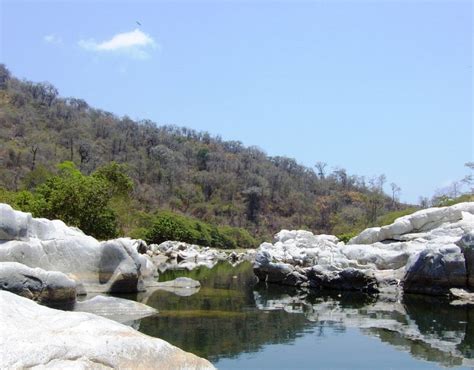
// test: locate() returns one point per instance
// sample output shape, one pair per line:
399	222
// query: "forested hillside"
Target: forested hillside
176	168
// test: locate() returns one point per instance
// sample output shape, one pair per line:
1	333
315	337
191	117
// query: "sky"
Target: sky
375	87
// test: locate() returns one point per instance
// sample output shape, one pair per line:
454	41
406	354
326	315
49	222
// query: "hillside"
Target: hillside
176	168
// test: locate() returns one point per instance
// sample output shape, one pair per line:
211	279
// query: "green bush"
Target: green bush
167	225
70	196
346	237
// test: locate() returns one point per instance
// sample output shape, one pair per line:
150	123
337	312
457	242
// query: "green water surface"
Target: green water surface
236	323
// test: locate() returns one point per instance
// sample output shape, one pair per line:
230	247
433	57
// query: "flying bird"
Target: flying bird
138	23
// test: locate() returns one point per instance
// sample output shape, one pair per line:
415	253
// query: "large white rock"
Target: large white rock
110	266
38	337
420	250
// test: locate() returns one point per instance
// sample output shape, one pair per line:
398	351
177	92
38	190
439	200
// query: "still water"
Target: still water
239	324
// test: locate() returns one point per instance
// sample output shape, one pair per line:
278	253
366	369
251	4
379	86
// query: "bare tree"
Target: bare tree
320	166
424	202
33	151
395	193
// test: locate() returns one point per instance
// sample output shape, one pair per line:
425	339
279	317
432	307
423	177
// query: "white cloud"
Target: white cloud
134	44
53	39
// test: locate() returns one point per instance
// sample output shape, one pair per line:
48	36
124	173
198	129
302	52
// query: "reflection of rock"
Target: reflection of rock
113	266
181	286
442	335
427	252
220	320
48	287
462	297
34	335
121	310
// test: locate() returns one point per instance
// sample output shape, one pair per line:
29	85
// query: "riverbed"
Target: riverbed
238	323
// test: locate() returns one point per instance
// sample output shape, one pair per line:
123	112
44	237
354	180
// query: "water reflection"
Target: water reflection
231	314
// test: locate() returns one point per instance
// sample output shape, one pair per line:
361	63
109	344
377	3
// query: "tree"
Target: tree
4	76
395	193
78	200
253	197
119	183
320	166
469	179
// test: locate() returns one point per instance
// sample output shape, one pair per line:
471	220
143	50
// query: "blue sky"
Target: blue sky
371	86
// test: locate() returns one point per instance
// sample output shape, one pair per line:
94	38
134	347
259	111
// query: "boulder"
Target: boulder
51	288
466	243
427	252
347	279
79	340
435	271
110	266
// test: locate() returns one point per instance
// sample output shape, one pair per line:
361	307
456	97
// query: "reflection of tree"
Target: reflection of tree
231	314
221	320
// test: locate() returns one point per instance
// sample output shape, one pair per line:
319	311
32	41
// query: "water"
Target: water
236	323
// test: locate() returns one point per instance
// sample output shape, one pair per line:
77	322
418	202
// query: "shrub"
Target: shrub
167	225
346	237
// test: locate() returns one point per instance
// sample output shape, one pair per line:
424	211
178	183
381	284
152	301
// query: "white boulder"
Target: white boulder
427	252
38	337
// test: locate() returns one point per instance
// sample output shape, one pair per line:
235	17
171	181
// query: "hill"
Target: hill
176	168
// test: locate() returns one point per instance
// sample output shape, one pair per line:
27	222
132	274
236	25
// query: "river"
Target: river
238	323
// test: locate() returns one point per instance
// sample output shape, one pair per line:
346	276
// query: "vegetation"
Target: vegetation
136	170
170	226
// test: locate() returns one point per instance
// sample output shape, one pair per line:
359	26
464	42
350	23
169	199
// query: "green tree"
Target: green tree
78	200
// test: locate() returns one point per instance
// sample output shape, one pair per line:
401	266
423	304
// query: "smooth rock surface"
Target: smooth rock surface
47	287
111	266
79	340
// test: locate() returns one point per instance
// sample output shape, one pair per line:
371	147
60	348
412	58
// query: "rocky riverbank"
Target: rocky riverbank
428	252
50	263
174	255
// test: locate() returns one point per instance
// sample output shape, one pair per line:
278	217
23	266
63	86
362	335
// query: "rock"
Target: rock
111	266
347	279
80	340
435	271
121	310
173	255
51	288
427	252
466	243
426	219
140	246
